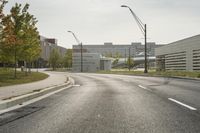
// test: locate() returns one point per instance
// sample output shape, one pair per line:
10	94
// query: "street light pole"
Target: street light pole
129	58
145	52
81	57
79	43
143	28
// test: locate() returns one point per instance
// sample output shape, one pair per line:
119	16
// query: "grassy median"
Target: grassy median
154	73
7	78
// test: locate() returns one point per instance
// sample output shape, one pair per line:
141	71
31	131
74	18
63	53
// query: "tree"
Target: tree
117	55
19	35
2	15
54	58
13	33
130	63
108	54
31	46
115	61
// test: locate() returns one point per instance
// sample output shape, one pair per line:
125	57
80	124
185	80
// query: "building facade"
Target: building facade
47	44
180	55
90	62
110	50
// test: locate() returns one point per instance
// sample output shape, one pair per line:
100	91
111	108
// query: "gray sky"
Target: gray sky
99	21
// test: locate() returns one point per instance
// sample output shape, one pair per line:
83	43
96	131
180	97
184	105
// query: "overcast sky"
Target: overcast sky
99	21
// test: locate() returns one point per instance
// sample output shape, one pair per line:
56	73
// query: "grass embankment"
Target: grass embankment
7	78
154	73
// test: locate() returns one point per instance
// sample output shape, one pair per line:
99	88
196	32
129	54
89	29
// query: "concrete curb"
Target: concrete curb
26	97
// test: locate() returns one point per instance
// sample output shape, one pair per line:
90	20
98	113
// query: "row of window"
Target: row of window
196	59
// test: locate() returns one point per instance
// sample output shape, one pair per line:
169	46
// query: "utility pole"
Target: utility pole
145	45
125	57
81	57
129	59
143	28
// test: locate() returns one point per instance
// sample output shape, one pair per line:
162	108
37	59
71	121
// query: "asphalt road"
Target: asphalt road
112	104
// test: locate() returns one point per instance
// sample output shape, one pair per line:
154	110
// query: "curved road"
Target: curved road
112	104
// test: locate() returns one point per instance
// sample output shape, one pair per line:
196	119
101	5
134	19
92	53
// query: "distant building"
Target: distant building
110	50
92	62
47	44
122	51
180	55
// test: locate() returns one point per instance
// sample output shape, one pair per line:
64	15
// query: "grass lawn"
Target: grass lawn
7	78
154	73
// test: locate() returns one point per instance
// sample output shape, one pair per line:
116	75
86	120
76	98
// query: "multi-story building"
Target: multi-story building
110	50
47	44
180	55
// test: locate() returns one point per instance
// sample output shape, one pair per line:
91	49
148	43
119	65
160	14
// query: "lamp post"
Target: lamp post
143	28
129	58
79	43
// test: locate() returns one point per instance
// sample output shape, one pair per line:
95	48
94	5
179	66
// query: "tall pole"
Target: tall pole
143	28
129	59
15	74
81	57
145	48
125	57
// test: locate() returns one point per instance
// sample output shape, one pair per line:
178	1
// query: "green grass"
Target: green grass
7	77
154	73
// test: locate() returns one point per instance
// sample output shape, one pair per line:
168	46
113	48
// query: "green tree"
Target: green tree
19	35
2	15
13	32
108	54
115	61
54	58
130	63
31	46
117	55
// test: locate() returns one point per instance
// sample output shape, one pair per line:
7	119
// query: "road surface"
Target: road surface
112	104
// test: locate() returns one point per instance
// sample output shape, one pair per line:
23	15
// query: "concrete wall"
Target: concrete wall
47	45
180	55
105	64
136	49
91	62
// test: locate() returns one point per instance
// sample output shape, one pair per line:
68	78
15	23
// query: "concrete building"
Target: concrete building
180	55
92	62
110	50
47	44
122	52
105	64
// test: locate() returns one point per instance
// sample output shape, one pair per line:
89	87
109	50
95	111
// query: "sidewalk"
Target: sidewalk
55	78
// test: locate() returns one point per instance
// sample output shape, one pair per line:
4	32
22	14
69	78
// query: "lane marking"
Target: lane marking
180	103
76	85
33	100
143	87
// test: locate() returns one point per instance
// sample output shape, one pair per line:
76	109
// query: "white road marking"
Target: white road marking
33	100
76	85
144	87
180	103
